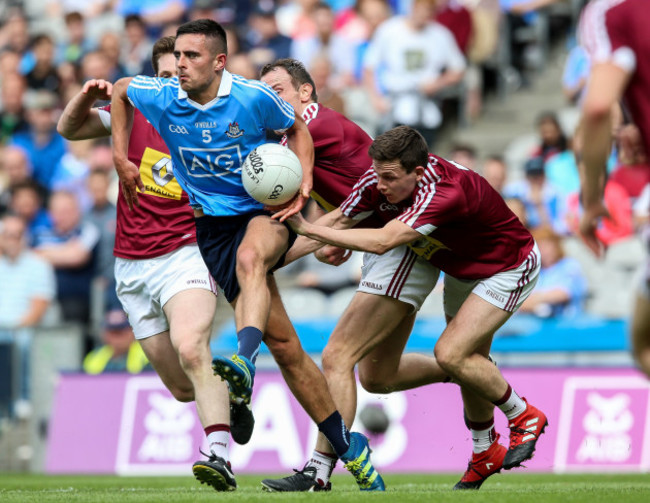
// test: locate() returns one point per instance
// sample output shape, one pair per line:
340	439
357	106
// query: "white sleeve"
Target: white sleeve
105	117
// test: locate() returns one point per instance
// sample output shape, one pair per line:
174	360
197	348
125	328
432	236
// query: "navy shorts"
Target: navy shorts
219	238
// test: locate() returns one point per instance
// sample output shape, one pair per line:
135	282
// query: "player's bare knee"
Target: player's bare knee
191	355
182	394
447	358
286	353
374	383
249	261
335	361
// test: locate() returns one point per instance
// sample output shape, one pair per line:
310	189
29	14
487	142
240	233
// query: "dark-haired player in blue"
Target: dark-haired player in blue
211	120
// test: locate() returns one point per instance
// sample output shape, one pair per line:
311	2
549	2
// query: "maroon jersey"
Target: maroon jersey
468	231
164	221
618	31
340	154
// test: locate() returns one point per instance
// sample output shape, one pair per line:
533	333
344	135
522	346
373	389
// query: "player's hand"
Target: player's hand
294	206
588	225
297	223
99	89
333	255
130	181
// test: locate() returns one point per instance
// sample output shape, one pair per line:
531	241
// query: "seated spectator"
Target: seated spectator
44	146
495	171
27	203
44	74
325	42
409	62
135	55
562	288
241	64
457	19
120	352
70	247
263	41
545	205
619	225
631	170
464	154
12	112
156	13
31	278
551	136
14	169
24	304
321	73
76	43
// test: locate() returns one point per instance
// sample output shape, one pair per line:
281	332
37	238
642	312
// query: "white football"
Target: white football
271	174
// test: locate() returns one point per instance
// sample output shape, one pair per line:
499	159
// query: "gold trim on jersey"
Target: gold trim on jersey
157	175
323	204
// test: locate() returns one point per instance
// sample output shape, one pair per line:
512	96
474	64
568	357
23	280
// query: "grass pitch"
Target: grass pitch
505	488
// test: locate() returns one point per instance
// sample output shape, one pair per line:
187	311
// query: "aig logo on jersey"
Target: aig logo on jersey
211	162
178	129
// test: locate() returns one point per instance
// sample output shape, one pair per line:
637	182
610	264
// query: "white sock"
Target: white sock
324	465
483	439
218	442
513	406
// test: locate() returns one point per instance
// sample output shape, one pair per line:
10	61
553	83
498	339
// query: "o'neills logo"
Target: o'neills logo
370	284
495	296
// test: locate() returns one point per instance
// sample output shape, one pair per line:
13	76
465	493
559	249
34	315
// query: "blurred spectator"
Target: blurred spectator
518	207
325	42
263	41
419	58
31	278
89	9
44	146
27	203
155	13
464	154
453	15
70	246
495	171
111	46
12	112
103	215
96	65
14	35
120	351
551	136
562	288
294	18
321	73
136	51
631	170
44	74
545	205
9	63
576	72
13	171
76	43
22	306
226	12
71	172
371	14
641	209
618	225
241	64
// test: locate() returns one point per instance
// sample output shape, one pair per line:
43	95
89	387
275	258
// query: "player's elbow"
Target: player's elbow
380	247
63	130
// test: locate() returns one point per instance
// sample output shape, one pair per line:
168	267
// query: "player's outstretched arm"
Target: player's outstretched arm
300	141
606	85
378	241
121	124
304	245
79	120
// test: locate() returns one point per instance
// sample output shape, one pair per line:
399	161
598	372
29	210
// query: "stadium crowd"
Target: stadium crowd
57	198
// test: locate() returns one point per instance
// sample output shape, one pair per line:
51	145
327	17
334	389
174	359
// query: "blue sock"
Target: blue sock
336	432
249	340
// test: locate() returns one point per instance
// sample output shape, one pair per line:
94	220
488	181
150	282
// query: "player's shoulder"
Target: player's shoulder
257	91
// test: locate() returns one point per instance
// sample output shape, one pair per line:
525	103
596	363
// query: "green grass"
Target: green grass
506	488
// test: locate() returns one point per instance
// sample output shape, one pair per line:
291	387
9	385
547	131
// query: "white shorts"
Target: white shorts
144	286
400	274
506	290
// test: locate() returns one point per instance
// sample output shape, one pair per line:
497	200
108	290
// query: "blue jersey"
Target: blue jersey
209	143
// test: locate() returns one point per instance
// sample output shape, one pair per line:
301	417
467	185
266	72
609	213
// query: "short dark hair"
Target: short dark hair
401	143
164	45
210	29
296	70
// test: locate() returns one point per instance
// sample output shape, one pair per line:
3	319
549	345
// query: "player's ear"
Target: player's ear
419	173
305	92
219	62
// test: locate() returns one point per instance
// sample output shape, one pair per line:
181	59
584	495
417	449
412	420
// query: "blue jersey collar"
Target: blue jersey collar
224	90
